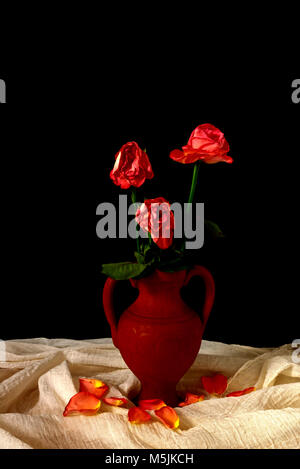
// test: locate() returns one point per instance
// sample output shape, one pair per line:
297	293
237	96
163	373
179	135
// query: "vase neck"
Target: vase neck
159	296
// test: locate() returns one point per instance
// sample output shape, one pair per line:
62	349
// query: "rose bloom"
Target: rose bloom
132	167
206	143
156	217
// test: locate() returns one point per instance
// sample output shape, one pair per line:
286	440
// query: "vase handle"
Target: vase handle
108	304
209	290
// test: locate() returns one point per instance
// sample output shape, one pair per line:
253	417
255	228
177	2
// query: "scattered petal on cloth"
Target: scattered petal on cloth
168	416
191	399
216	384
151	404
94	386
39	376
82	403
241	393
137	416
115	401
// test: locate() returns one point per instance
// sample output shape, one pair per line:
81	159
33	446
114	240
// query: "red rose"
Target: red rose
132	167
207	143
156	217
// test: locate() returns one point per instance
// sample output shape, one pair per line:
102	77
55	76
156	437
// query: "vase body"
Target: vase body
159	335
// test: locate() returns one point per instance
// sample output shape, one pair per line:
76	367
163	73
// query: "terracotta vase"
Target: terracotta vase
159	336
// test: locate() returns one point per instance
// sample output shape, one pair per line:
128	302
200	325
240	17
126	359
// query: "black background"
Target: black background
61	132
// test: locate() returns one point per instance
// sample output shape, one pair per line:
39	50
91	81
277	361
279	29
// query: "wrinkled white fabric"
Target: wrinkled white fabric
39	376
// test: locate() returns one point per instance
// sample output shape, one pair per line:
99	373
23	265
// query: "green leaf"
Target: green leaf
213	229
123	270
140	258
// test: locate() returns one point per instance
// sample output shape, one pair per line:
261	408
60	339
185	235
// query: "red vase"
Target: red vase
159	336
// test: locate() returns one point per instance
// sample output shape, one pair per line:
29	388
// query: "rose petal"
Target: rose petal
83	403
115	401
177	155
151	404
241	393
168	417
220	382
191	399
208	384
216	384
137	416
93	386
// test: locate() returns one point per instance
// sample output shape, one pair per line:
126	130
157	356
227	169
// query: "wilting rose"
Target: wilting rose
156	217
206	143
132	167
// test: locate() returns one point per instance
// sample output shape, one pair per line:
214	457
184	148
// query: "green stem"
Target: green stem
133	198
192	191
194	182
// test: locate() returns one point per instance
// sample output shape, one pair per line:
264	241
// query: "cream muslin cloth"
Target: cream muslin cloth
39	376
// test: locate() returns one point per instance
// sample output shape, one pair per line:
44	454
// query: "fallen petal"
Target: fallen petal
191	399
241	393
208	384
168	417
151	404
93	386
137	415
115	401
220	382
216	384
83	403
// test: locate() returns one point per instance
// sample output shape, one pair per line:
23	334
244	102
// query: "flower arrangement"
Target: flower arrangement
159	250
